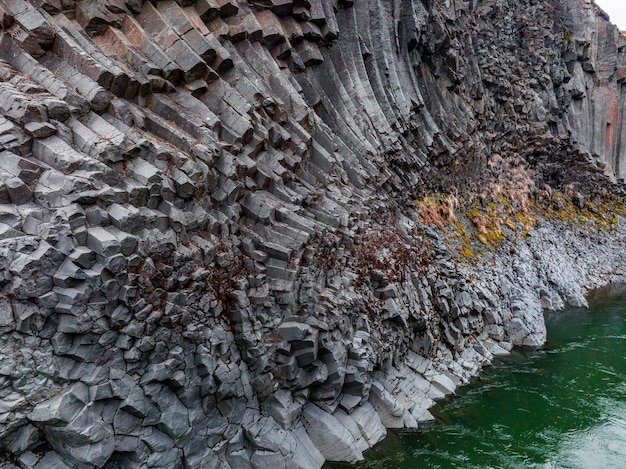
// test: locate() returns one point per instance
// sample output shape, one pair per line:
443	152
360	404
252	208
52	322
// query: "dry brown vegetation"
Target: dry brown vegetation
382	247
482	222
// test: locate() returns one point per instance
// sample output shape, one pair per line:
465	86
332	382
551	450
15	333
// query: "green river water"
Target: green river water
563	406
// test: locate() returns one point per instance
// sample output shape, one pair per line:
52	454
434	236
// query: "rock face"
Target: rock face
209	255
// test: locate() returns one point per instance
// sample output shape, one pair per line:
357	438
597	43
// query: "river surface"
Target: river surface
563	406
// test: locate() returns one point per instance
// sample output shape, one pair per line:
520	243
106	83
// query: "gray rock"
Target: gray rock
174	419
28	459
52	460
369	424
207	216
443	383
40	129
102	242
350	424
283	409
331	438
306	454
25	438
62	409
7	321
390	411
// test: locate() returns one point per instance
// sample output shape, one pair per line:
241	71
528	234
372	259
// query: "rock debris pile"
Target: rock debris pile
209	255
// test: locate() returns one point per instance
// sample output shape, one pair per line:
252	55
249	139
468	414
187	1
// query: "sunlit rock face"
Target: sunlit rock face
209	251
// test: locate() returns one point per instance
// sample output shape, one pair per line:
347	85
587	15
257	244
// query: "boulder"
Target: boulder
331	438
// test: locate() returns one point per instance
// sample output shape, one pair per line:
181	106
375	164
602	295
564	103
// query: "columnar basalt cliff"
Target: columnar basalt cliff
235	233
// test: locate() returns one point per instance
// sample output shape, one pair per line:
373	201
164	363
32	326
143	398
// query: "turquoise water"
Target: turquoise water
563	406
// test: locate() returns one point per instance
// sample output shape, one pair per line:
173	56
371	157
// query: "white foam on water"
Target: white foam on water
600	447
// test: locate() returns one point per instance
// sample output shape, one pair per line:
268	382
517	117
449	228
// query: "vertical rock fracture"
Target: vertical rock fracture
211	255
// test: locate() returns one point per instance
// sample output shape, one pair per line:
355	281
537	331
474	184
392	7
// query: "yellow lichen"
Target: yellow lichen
480	223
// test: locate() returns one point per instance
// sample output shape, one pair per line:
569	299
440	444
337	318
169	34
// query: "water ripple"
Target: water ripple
562	407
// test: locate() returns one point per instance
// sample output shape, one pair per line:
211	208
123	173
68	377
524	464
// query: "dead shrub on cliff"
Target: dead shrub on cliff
438	210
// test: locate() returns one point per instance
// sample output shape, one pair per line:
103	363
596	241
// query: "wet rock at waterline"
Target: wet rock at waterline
211	254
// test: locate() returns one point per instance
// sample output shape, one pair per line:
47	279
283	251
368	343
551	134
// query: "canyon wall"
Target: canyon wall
211	254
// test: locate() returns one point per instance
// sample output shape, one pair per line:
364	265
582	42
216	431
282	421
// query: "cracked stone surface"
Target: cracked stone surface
209	253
